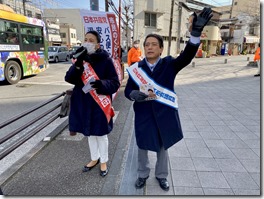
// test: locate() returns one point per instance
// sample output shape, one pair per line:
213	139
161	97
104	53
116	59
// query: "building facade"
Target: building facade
30	10
68	35
53	29
68	16
240	26
153	16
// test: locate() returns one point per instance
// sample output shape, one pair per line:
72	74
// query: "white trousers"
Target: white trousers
98	148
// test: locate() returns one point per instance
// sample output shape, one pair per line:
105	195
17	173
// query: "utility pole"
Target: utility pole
24	7
106	6
179	27
119	28
170	28
231	9
231	26
126	8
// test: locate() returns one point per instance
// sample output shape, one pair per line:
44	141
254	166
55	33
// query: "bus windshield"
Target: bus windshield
23	46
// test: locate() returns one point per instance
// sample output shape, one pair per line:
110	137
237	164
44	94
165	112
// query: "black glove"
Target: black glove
200	21
80	49
137	96
97	84
80	56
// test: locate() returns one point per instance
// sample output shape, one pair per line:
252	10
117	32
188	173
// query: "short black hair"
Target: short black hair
136	42
158	37
96	34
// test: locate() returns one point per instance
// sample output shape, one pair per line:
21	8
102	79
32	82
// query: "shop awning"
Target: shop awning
251	39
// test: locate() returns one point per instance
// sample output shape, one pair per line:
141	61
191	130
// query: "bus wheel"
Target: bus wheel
56	59
12	72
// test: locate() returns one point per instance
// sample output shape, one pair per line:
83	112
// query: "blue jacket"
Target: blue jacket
86	116
157	124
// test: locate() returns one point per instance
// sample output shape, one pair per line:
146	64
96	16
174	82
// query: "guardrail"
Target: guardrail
7	150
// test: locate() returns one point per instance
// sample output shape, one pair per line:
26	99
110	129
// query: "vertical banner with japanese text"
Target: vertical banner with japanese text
105	24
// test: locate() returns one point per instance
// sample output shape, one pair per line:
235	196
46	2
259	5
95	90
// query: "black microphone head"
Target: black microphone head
81	53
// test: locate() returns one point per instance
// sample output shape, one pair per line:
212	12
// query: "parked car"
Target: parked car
58	53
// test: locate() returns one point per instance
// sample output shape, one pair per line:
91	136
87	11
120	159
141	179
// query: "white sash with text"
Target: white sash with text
164	95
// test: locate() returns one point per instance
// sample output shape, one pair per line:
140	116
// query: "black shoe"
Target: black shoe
140	183
164	184
85	168
256	75
103	173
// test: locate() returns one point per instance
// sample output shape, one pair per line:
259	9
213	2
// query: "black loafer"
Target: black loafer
140	182
103	173
86	169
164	184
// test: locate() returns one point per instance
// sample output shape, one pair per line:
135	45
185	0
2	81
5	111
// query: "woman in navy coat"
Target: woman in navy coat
86	116
157	124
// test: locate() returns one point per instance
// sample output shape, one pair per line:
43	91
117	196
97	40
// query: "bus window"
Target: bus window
11	37
29	55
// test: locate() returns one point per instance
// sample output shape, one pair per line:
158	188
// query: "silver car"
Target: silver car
58	53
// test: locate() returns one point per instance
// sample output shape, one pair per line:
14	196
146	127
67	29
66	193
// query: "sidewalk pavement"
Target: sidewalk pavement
219	107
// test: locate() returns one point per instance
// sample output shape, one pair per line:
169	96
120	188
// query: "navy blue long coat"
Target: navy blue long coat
157	124
86	116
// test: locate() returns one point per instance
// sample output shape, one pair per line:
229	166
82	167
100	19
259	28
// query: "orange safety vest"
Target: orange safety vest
133	55
257	54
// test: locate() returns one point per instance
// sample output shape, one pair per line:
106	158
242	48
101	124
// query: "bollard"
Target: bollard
225	61
193	64
247	58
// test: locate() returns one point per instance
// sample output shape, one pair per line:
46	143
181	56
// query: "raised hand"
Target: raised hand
200	21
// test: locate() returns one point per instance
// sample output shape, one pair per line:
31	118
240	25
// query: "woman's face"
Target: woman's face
92	39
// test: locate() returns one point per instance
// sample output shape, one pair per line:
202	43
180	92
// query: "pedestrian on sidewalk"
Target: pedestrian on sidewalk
95	80
134	54
257	59
157	123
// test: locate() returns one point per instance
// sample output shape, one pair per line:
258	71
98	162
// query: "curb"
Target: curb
114	179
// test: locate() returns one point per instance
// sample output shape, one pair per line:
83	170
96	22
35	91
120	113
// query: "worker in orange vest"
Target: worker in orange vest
257	59
134	54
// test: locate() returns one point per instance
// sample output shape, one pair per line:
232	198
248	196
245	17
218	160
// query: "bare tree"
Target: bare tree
127	16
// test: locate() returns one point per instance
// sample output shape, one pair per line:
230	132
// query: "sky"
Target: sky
85	4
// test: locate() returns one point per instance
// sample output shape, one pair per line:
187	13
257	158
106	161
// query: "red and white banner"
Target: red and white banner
105	24
104	101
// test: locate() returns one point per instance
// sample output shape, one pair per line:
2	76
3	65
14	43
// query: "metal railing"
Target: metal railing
7	150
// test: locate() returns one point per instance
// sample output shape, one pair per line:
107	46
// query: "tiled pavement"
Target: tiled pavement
220	115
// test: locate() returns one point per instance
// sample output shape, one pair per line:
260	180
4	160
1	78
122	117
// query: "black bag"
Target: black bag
65	106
